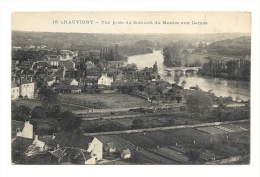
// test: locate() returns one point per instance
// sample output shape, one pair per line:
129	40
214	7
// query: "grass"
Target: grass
32	103
237	143
112	100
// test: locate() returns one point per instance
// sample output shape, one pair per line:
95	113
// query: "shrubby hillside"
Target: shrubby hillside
233	47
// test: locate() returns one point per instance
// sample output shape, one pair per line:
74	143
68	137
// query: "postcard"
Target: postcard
130	88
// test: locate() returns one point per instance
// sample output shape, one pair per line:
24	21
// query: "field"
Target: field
112	100
171	146
222	129
159	118
171	154
124	122
32	103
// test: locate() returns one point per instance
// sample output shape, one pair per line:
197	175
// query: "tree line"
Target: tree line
233	69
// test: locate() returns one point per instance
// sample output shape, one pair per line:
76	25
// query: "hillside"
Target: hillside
231	47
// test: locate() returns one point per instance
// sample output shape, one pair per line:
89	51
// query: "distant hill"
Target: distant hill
240	46
95	40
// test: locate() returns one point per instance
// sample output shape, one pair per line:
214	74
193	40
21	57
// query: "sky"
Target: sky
116	22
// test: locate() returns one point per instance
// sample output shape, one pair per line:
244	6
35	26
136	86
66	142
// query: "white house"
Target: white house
105	80
96	149
110	147
74	82
24	130
15	90
26	88
126	154
90	144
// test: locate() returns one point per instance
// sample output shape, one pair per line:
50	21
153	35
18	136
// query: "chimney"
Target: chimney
57	146
31	79
53	136
35	137
79	79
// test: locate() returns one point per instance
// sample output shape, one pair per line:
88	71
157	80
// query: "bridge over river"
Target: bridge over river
182	69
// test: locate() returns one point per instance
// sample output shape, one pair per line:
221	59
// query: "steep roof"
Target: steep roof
90	66
14	84
65	139
54	59
104	75
126	151
111	145
25	81
71	153
69	87
17	124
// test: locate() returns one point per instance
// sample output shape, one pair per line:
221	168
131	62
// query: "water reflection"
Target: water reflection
218	86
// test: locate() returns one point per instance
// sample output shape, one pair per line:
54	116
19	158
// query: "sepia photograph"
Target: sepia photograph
130	88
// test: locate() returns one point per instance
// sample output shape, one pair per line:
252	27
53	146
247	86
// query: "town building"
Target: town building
90	144
126	154
110	147
22	129
105	80
70	65
26	88
15	90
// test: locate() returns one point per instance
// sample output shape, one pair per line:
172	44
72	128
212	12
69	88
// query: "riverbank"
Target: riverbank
218	86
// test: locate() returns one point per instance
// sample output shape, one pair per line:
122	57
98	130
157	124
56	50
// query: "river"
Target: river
219	86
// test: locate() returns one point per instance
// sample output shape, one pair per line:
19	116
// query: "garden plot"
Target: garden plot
124	122
171	154
152	158
234	128
244	125
119	142
212	130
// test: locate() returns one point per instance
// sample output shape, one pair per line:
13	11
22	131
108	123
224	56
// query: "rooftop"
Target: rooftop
65	139
14	84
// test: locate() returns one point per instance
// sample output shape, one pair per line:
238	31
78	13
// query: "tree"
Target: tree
194	156
140	88
133	66
20	113
54	111
199	103
69	121
138	124
176	79
111	55
183	83
178	98
38	113
47	95
155	68
153	98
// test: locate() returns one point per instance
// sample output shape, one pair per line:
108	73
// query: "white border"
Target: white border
6	169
